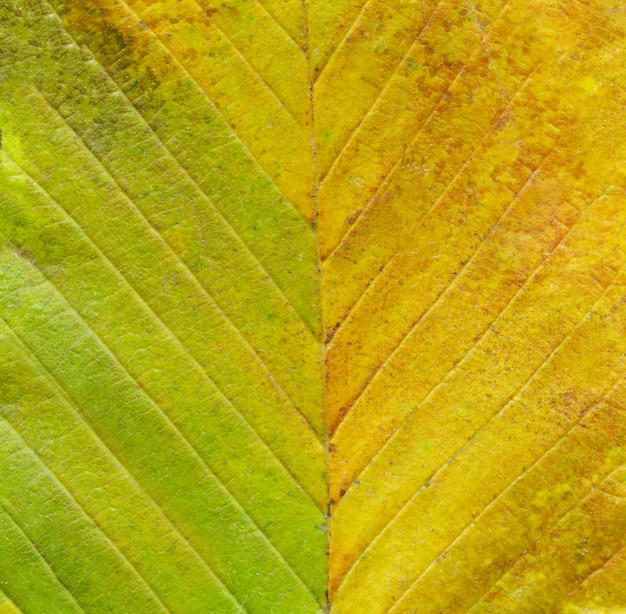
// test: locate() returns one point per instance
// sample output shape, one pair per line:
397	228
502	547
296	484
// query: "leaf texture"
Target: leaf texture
163	427
473	234
312	305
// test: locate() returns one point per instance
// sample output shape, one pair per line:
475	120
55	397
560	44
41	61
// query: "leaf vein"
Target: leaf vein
185	172
64	394
519	558
381	367
163	607
382	91
167	419
504	492
248	63
359	214
442	195
191	275
514	396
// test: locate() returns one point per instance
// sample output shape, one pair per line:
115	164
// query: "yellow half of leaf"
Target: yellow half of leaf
474	299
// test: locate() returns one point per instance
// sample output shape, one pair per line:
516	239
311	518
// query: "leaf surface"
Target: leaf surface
473	233
163	429
312	305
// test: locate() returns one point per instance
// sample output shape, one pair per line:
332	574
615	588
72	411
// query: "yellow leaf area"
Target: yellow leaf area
472	159
312	305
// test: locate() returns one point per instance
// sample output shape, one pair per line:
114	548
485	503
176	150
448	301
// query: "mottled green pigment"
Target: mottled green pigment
160	364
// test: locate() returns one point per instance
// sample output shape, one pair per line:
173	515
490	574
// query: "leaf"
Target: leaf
300	297
163	429
473	298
